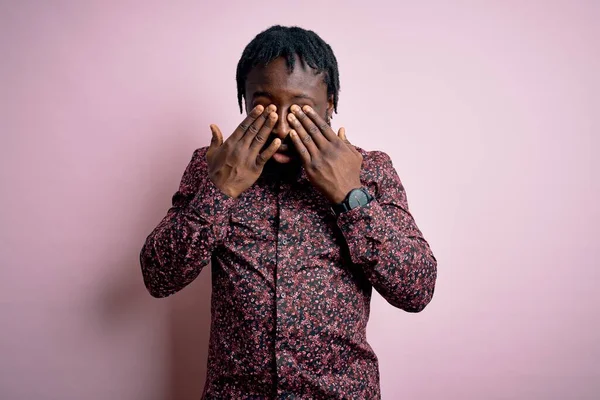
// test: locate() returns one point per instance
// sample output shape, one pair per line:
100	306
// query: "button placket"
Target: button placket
282	283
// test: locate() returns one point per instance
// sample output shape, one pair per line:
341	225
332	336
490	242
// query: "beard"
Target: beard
274	170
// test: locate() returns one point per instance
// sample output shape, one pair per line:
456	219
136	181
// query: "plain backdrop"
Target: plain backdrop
489	110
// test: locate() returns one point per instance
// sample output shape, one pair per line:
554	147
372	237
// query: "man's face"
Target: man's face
274	84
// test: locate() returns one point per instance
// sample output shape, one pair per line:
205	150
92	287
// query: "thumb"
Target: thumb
217	136
342	135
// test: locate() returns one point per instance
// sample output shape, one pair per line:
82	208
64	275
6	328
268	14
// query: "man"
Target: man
299	225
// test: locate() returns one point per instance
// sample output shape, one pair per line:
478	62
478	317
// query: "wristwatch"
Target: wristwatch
356	198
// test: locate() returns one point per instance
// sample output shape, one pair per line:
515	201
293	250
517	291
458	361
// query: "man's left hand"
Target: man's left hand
332	164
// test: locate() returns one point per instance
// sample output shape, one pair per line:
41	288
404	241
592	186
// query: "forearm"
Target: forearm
175	252
182	244
393	254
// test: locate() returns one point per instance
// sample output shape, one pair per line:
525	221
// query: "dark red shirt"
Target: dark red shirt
291	283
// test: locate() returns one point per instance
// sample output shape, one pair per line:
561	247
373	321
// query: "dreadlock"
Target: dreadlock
282	41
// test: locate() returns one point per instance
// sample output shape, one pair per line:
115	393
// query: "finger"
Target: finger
323	126
261	138
217	136
300	147
266	155
342	135
307	140
243	127
302	123
256	126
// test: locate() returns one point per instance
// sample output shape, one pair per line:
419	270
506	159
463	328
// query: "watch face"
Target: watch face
357	198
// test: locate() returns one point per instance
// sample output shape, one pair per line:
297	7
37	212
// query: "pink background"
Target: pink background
490	111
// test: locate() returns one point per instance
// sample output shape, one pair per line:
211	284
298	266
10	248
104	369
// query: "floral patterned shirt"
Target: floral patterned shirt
291	282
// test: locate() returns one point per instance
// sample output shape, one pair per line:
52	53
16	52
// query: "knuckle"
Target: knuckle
243	126
313	129
259	139
253	129
306	139
323	126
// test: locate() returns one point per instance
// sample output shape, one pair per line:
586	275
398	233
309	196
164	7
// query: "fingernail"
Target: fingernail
293	133
259	108
295	108
307	109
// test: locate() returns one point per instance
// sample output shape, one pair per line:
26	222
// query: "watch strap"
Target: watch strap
340	208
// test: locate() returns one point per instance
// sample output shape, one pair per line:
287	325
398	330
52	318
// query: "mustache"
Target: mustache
286	144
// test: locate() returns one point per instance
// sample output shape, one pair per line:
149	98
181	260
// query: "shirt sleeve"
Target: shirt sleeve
384	240
182	243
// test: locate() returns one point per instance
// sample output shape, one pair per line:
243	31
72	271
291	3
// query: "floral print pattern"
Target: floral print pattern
291	282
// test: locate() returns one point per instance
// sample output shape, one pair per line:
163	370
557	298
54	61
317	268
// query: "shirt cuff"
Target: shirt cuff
364	229
213	206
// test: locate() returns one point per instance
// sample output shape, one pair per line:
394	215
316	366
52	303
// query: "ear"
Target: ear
330	107
244	105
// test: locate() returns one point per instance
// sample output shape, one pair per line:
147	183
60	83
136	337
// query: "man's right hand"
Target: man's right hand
235	165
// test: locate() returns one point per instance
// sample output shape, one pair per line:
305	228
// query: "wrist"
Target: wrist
227	191
342	193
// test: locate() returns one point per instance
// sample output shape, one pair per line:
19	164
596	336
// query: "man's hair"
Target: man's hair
283	41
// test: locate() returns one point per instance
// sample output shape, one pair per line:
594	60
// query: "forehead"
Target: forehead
277	79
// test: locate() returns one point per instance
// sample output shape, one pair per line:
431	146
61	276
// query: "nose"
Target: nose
282	127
